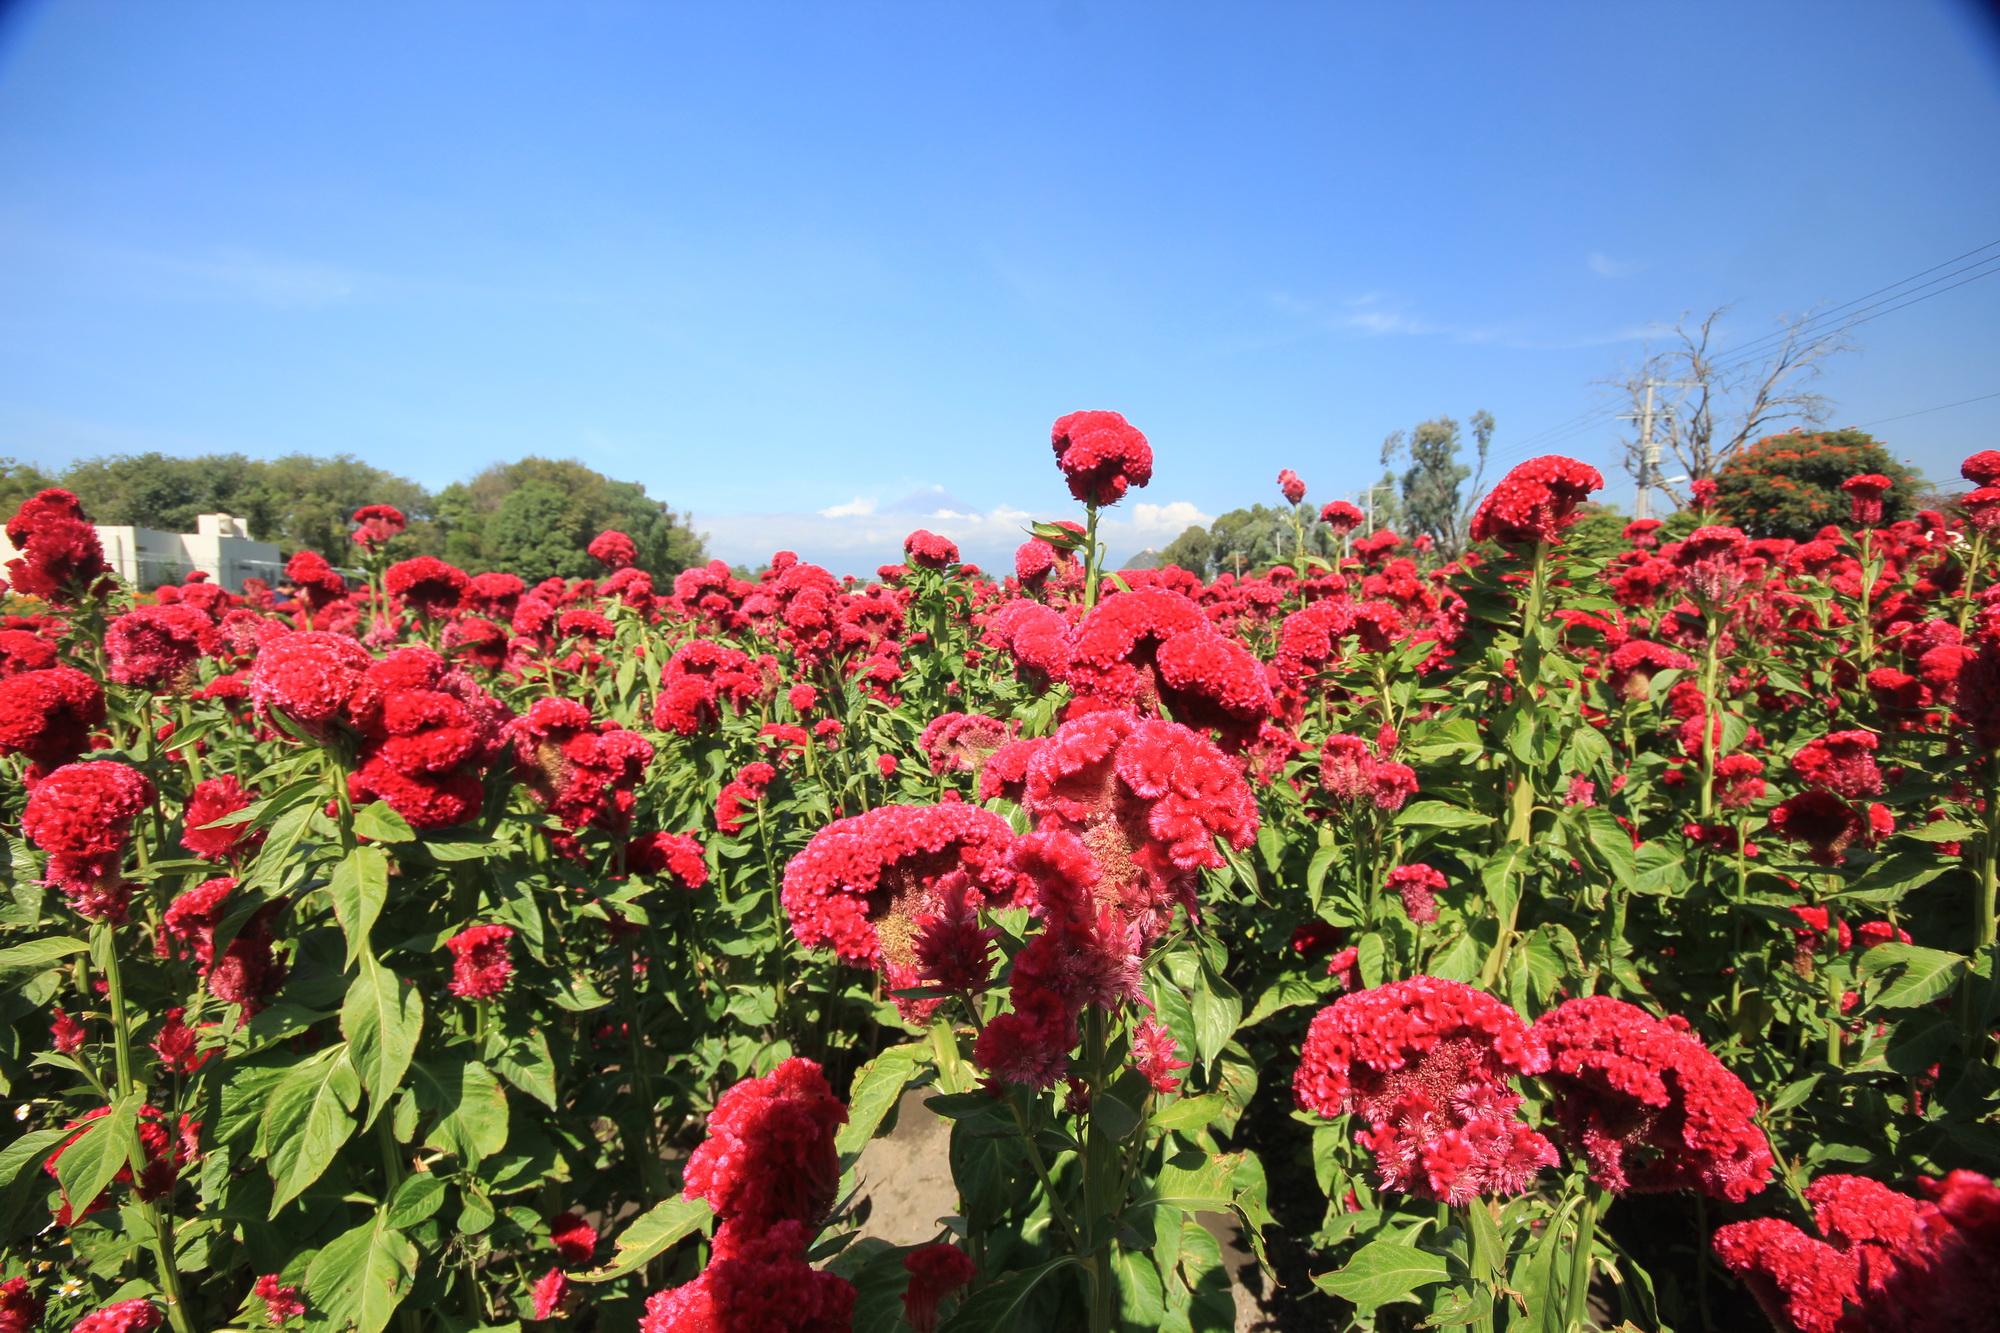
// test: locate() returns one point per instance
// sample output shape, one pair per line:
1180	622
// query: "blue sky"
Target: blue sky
773	260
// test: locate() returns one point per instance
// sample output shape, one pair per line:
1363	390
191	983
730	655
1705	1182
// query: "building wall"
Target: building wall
219	547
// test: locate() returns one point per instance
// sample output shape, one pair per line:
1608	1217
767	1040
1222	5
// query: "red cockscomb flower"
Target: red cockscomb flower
1155	1055
551	1294
929	550
1342	517
20	1308
167	1147
61	556
213	799
1154	650
1842	763
482	964
1828	826
374	525
755	1282
1291	487
1426	1062
740	794
613	550
319	583
676	854
575	1239
962	742
1710	563
1864	495
49	715
81	815
308	676
156	646
1739	780
1417	885
769	1156
936	1271
1101	454
125	1317
179	1046
1647	1105
281	1303
427	585
1535	502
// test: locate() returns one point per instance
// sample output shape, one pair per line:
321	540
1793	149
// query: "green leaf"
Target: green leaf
650	1235
308	1118
469	1104
36	955
376	820
1383	1272
1200	1189
1928	973
360	1278
878	1086
1792	1094
416	1199
359	886
1611	842
26	1153
382	1018
1439	814
1217	1009
1945	830
1283	993
88	1164
522	1058
996	1306
1188	1113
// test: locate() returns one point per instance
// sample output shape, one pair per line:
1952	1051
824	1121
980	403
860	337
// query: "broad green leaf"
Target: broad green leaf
651	1234
26	1153
1944	830
523	1060
1141	1293
359	887
469	1106
1383	1272
996	1306
1927	974
1189	1113
382	1018
1611	842
878	1086
1439	814
1792	1094
1200	1189
100	1152
36	955
1217	1011
309	1117
416	1199
1282	994
376	820
360	1278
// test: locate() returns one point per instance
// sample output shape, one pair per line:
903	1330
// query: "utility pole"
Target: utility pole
1649	447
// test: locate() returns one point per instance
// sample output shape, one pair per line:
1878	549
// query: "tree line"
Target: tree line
533	518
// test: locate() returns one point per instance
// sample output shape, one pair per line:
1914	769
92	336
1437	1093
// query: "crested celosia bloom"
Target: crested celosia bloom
698	679
179	1046
319	583
1156	1056
1739	781
1864	496
1426	1064
1154	650
1034	560
374	525
1342	517
213	799
769	1156
482	962
61	556
20	1309
22	650
1828	826
1147	799
81	815
49	715
281	1302
427	585
676	854
1982	468
1035	636
1353	775
428	733
247	971
307	676
1535	501
962	742
954	952
742	792
575	1239
755	1282
1291	487
1101	454
551	1294
136	1316
1842	762
585	772
66	1033
1889	1263
167	1145
1711	563
1417	885
1647	1105
930	551
936	1271
867	885
613	549
156	646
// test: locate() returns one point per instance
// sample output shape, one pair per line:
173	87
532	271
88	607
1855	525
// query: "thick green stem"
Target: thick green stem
1092	559
1578	1294
1711	715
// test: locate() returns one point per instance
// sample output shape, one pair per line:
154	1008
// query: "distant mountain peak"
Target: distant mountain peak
930	502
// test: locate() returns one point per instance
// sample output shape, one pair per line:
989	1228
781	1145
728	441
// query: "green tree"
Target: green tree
311	502
153	490
486	527
18	482
1434	498
1789	485
1193	550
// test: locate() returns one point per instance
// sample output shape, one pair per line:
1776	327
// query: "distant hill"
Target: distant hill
929	503
1146	559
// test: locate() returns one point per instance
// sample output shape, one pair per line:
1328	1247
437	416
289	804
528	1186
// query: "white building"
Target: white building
220	547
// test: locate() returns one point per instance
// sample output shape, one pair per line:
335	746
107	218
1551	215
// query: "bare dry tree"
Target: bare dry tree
1711	402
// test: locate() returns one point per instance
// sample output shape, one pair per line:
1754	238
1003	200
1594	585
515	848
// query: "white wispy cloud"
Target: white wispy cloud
1604	266
858	507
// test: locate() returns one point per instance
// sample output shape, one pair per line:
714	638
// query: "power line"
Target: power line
1893	294
1883	421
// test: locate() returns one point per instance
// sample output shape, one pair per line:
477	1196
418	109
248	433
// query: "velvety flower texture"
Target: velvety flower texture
1426	1062
1293	489
550	1294
374	525
213	799
1342	517
49	715
1864	494
962	742
676	854
124	1317
613	549
1633	665
769	1156
20	1308
1889	1263
1535	501
308	676
583	771
61	556
246	972
482	962
868	885
755	1283
1711	563
575	1239
1154	650
1647	1105
935	1272
697	681
428	733
1101	454
281	1303
1828	825
1842	763
153	647
930	551
81	815
1417	885
1353	775
427	585
1156	1056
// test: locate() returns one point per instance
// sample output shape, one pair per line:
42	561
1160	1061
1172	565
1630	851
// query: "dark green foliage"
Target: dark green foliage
1789	485
1433	487
536	517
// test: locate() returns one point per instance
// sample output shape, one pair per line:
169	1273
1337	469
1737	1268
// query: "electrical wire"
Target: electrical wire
1883	421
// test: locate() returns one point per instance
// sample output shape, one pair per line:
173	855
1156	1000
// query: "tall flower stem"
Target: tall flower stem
1093	562
1711	651
1578	1294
